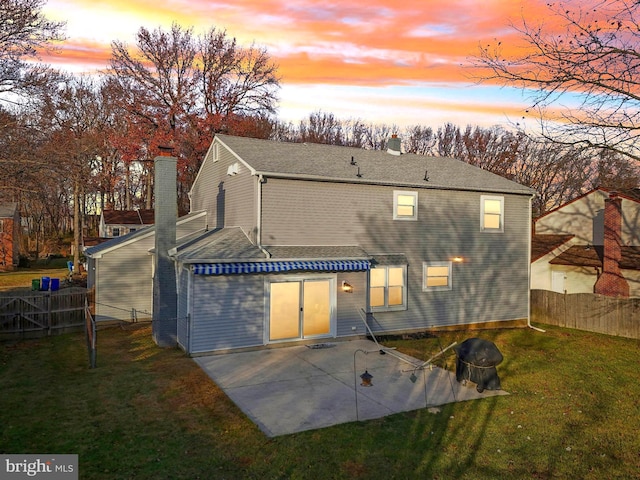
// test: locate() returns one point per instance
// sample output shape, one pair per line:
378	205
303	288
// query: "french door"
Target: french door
301	308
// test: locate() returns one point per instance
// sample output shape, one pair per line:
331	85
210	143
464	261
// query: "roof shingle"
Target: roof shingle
330	162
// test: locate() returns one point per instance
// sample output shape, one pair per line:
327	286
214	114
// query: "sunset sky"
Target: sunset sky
382	61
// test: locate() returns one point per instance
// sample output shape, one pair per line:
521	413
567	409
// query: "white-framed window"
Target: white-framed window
388	287
115	232
491	213
405	205
436	276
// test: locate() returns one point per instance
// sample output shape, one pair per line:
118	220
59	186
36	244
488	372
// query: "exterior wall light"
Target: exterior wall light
457	259
347	287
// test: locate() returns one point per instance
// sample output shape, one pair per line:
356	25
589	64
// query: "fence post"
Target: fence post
91	331
48	295
188	333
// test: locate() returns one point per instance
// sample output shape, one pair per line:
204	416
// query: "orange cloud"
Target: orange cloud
361	41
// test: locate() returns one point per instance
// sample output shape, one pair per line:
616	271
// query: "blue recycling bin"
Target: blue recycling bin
44	283
55	284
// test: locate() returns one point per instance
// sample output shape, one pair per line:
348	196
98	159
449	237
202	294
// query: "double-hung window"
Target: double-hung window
405	205
491	213
436	276
387	287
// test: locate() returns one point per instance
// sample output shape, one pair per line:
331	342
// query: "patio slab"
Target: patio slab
293	389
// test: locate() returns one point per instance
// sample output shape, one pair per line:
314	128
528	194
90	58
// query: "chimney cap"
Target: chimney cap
165	150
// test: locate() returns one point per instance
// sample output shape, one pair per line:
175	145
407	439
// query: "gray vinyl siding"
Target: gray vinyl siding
228	199
229	312
203	191
123	276
183	312
124	282
350	304
490	285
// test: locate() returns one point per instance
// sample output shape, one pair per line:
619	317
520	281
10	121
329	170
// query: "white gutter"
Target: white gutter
365	181
259	217
530	213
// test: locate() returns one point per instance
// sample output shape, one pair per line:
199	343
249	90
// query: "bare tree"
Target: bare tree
73	118
556	172
585	76
420	140
179	89
23	32
322	127
235	80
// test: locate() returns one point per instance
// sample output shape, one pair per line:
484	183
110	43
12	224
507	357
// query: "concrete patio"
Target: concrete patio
293	389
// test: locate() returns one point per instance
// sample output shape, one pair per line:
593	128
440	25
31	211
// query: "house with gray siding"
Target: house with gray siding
307	242
120	271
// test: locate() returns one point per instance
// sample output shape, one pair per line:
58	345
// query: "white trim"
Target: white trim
152	230
483	199
408	193
426	265
333	304
386	307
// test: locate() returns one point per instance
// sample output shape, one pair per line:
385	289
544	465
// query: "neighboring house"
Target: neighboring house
305	241
117	223
9	236
120	271
589	245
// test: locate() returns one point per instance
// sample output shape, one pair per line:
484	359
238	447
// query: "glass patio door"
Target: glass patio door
299	309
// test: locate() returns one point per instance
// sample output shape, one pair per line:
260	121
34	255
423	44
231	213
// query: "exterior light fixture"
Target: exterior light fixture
366	379
457	259
347	287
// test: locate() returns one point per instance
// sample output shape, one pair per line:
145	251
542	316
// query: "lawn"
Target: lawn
150	413
22	277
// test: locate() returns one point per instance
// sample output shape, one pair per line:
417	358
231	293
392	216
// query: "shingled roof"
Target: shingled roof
591	256
231	244
543	244
128	217
314	161
8	210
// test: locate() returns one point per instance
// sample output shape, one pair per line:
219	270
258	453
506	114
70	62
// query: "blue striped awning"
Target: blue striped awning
275	267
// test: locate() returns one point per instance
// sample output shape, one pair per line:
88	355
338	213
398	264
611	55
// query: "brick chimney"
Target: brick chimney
164	327
611	282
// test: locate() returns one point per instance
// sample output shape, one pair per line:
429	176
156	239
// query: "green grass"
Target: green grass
21	278
150	413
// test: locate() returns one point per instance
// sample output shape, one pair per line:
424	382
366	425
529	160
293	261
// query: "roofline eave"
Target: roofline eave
318	178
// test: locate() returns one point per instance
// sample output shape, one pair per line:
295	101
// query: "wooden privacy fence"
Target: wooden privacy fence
37	314
587	311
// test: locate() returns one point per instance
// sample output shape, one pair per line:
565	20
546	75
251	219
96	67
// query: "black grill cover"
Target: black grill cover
476	361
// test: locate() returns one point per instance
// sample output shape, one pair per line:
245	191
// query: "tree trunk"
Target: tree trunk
77	227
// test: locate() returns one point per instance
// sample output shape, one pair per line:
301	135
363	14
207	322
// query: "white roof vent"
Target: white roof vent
233	169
